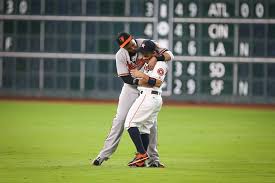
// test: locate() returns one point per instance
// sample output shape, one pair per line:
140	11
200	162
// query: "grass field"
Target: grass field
48	142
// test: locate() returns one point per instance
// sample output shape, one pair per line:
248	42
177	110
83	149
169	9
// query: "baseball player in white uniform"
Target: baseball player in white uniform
144	111
127	58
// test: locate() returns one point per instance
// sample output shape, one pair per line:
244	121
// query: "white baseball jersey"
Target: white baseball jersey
145	109
159	72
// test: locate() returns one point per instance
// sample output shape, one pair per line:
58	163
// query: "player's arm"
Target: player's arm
122	69
145	80
163	55
130	80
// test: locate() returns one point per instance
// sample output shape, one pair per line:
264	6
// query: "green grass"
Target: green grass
47	142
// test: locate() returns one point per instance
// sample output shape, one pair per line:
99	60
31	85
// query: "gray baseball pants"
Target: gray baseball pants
127	97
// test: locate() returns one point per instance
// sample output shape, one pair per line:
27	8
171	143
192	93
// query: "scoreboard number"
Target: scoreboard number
259	10
163	28
178	30
10	7
179	9
245	11
178	47
149	9
8	43
190	83
163	11
23	7
178	69
178	84
192	50
192	30
191	86
191	69
193	9
148	31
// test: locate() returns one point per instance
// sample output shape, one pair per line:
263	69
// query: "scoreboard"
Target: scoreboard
224	49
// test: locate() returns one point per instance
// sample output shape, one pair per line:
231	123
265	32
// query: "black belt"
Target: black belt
152	92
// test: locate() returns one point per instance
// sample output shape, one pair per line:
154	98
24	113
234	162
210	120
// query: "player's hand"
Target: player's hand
136	73
140	63
152	62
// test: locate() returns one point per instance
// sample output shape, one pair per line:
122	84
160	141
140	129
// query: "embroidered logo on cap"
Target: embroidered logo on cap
121	38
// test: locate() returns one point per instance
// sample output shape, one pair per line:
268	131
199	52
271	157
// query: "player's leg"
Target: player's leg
152	150
148	123
137	115
153	140
145	140
126	99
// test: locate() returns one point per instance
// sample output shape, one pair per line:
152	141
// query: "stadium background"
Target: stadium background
224	49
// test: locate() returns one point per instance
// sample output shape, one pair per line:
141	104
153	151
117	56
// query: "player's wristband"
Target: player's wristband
160	58
152	81
135	81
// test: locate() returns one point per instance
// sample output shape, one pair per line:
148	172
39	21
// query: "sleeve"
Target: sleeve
159	71
121	63
161	50
129	80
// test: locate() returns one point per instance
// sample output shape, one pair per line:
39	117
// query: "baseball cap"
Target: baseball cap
147	46
123	39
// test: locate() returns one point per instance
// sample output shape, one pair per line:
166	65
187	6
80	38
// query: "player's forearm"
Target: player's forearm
168	56
144	81
129	80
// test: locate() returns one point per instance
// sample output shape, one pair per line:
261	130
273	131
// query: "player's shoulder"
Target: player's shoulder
161	68
122	54
121	51
161	64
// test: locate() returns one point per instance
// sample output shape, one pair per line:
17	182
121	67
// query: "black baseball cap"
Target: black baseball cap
147	46
123	39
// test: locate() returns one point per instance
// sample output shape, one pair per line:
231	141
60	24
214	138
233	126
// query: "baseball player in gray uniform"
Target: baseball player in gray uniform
127	58
143	113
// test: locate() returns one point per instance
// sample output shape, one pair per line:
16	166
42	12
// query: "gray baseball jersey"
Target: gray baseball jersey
125	62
